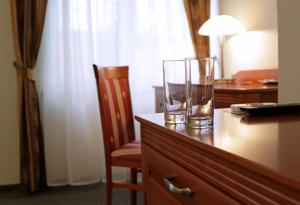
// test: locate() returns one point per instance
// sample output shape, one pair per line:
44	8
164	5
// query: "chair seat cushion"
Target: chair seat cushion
130	151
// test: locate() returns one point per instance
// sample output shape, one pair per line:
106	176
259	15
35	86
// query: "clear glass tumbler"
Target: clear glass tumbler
174	75
200	92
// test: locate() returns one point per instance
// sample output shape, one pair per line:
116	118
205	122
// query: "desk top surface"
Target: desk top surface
270	141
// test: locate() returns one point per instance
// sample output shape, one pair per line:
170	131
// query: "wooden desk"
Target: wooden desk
242	160
225	95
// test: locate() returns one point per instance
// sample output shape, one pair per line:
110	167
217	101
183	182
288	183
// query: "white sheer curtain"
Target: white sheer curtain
78	33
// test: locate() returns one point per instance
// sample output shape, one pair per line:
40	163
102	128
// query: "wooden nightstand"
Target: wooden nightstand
227	94
245	89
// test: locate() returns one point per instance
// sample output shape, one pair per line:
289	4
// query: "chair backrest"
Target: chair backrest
115	106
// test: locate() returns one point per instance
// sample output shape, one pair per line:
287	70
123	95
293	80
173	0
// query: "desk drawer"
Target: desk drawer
157	169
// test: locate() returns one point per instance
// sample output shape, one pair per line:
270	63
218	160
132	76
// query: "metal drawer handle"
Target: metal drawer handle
173	189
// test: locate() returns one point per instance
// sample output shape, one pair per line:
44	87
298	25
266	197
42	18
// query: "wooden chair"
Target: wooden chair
121	148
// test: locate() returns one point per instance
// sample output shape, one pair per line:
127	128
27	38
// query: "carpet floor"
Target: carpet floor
84	195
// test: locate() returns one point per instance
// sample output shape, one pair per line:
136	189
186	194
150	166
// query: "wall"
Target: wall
9	139
258	47
289	55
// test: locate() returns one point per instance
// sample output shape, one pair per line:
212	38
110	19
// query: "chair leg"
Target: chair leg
145	198
109	186
133	179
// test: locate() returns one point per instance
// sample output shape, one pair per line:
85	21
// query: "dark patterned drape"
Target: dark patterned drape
197	12
27	23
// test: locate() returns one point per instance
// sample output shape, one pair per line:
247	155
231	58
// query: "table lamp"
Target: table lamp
221	25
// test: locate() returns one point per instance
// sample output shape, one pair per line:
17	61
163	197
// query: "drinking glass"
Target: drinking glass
174	73
200	92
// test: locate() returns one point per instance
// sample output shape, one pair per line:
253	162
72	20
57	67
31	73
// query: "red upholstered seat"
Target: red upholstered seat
121	148
129	151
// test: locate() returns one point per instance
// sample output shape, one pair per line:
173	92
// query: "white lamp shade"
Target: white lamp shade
221	25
